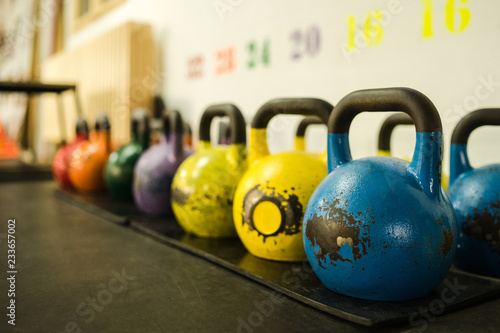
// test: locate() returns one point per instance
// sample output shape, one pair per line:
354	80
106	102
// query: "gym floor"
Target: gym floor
77	272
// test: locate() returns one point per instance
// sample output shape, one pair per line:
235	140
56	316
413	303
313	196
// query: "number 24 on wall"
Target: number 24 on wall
457	17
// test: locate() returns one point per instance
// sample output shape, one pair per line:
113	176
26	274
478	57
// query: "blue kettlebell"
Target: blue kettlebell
381	228
475	194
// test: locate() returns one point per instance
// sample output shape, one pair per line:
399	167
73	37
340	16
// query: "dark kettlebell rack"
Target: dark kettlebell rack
40	88
295	280
14	170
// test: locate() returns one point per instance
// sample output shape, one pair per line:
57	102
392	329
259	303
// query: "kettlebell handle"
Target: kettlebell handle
384	136
102	129
425	165
82	128
224	132
420	108
301	131
140	127
173	127
187	129
305	123
459	159
102	123
236	122
291	106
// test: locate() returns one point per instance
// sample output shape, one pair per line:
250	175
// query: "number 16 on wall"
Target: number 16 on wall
457	16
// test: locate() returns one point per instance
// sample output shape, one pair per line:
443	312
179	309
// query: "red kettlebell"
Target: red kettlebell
60	163
88	161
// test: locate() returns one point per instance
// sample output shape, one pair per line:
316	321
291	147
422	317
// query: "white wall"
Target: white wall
450	67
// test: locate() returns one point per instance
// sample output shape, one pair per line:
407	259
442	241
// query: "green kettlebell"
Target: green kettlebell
120	167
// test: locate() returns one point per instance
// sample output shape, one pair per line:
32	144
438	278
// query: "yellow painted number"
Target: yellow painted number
373	29
351	42
427	19
372	34
451	14
456	18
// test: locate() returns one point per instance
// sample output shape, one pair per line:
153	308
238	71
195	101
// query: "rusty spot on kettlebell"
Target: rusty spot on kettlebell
180	197
330	236
446	242
485	226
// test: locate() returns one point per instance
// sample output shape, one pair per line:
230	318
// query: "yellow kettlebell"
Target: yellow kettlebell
203	186
300	141
272	196
384	138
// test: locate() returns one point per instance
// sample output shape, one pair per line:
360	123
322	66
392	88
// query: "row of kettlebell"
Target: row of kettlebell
87	164
120	165
377	228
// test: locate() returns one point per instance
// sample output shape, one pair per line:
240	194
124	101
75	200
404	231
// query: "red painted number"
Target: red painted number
195	67
225	60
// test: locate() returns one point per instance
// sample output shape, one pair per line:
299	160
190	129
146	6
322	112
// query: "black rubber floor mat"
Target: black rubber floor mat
16	170
296	280
100	204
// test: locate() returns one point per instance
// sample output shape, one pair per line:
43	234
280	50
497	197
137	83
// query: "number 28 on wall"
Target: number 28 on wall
225	59
457	16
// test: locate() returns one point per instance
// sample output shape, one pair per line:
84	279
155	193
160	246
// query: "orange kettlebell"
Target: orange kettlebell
88	161
187	139
60	163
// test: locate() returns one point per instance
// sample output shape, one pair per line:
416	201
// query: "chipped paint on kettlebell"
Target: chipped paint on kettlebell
288	204
329	238
484	226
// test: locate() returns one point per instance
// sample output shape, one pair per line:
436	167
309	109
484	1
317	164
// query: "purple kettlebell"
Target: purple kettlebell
156	167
